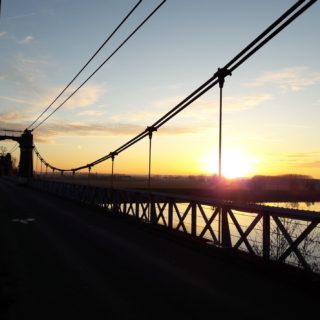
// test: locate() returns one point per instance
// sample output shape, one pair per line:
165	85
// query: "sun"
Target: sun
235	164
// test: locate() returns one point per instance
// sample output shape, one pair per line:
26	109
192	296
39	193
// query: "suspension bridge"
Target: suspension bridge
149	236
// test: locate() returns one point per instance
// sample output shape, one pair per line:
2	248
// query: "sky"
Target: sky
271	103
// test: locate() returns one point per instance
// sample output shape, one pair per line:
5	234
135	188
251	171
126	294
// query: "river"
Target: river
310	206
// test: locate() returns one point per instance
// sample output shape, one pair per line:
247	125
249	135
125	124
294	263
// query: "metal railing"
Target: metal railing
10	133
283	235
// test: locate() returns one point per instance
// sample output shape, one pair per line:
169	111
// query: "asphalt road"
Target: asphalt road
60	260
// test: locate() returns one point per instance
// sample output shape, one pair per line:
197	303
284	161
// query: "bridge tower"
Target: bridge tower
26	154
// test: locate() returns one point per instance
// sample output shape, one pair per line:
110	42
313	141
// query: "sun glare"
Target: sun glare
234	164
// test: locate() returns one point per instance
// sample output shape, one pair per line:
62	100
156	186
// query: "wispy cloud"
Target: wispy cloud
21	16
10	118
27	40
33	91
197	111
89	129
308	159
201	108
27	75
170	87
25	109
246	102
167	102
54	130
89	95
312	164
150	113
289	79
91	113
16	100
317	103
51	131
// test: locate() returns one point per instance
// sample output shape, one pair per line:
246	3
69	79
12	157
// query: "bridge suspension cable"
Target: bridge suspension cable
14	148
100	66
87	63
283	21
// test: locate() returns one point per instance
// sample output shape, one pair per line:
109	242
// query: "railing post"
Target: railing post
114	202
124	205
170	214
194	219
266	236
153	213
93	196
225	230
137	209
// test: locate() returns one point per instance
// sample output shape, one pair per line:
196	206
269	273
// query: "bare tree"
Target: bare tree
3	150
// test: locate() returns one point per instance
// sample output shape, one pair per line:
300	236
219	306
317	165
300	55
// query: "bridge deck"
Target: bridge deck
63	259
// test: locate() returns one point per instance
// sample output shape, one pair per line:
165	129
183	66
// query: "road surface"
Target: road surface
61	260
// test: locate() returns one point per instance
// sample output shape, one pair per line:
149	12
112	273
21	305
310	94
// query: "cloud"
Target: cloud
33	91
91	113
87	96
167	102
289	79
51	131
246	102
66	129
16	100
169	87
149	113
30	109
306	159
202	108
10	117
27	40
312	164
26	75
173	130
20	16
199	110
316	103
297	159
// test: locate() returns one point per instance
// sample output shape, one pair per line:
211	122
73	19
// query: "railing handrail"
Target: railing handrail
249	207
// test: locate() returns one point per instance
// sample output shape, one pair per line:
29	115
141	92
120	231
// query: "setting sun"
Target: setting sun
235	163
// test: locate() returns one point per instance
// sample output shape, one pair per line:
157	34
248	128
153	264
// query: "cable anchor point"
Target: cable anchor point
221	74
150	130
113	155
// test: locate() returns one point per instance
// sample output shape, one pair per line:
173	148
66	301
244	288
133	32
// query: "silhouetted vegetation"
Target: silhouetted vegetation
6	162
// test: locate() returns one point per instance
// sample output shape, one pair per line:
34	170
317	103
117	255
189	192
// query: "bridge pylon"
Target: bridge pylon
26	154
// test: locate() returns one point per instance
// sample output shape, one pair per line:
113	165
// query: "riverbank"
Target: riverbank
236	189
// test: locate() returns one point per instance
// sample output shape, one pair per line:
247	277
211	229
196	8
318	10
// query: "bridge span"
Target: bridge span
71	260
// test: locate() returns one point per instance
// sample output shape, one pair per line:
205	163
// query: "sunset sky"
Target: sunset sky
271	103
